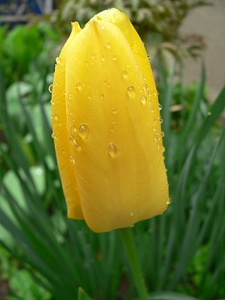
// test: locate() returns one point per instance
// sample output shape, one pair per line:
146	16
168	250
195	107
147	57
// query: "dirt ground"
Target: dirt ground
209	22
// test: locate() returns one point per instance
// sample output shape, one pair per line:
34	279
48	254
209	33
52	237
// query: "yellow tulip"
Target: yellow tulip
106	126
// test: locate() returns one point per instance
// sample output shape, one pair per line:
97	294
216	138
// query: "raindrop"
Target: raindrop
50	88
112	150
58	60
73	128
145	87
160	106
78	86
53	135
160	120
131	91
75	143
92	56
114	111
124	74
143	99
168	202
162	134
72	159
108	45
83	131
54	116
114	57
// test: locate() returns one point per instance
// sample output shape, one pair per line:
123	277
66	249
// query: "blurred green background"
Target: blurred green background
43	255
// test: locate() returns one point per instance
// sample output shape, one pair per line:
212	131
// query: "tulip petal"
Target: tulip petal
60	133
112	103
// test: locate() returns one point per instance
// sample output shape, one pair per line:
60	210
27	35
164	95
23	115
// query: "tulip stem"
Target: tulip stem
128	244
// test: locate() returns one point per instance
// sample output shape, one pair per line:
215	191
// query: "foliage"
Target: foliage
157	21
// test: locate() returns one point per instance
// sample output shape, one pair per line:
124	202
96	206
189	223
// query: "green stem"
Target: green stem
128	243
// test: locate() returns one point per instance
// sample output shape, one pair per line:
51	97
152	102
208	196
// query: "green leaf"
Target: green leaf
171	296
82	295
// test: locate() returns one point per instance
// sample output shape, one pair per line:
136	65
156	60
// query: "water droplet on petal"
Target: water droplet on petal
102	58
50	88
112	150
160	106
114	111
92	56
54	116
78	86
168	202
145	87
54	135
114	57
132	213
72	159
83	131
58	60
143	100
102	96
108	45
124	74
162	134
73	128
131	225
131	92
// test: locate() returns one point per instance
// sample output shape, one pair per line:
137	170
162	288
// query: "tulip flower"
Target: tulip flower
107	126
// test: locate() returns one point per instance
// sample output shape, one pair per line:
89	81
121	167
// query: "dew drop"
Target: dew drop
160	120
143	100
102	96
163	150
50	88
92	56
131	225
112	150
78	86
54	116
83	131
58	60
114	111
145	87
114	57
160	106
53	135
162	134
72	159
73	128
102	58
168	202
108	45
124	74
132	213
131	92
75	143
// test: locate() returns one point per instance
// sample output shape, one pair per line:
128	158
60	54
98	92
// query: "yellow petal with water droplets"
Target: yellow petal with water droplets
113	104
60	132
